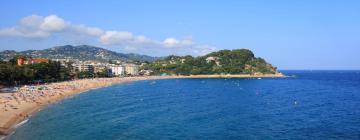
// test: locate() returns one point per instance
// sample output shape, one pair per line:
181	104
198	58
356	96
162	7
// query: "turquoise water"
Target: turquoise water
311	105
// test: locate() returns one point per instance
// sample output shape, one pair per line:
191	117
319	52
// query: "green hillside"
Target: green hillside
239	61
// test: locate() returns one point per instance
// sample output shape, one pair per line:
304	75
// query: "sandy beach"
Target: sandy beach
18	106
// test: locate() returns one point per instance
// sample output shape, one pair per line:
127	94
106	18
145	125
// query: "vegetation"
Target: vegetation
241	61
12	74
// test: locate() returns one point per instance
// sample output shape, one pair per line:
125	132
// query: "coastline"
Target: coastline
277	75
16	109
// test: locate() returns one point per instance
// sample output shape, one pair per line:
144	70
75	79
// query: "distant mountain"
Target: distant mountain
81	52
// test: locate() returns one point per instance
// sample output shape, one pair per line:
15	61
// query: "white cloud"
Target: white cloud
92	31
115	37
53	23
32	21
40	27
22	32
36	26
29	27
173	42
123	38
170	42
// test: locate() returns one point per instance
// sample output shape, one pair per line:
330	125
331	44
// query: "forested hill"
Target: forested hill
81	52
239	61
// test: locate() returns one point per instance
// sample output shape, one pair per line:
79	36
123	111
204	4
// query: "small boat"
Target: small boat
259	78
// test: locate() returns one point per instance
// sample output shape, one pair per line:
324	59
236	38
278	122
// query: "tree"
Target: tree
12	74
85	74
102	73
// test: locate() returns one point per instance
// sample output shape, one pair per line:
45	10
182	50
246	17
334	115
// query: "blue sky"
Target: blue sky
307	34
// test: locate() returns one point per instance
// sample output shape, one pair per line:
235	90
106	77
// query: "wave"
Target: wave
21	123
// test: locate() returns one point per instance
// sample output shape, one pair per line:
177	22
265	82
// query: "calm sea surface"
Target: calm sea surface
311	105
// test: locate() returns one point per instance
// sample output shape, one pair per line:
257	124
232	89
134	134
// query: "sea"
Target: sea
320	105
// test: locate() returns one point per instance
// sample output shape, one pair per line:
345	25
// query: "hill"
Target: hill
239	61
81	52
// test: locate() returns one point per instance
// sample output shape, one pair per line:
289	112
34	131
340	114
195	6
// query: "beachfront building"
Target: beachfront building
24	60
99	67
117	70
21	61
83	68
38	60
118	62
64	63
145	72
132	69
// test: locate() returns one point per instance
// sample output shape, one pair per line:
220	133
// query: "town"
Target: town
113	68
25	70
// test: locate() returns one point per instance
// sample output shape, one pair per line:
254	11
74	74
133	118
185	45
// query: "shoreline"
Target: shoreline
277	75
19	106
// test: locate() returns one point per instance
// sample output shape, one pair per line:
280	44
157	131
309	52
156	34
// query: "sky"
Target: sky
290	34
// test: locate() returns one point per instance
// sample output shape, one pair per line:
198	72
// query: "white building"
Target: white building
145	72
83	67
117	70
